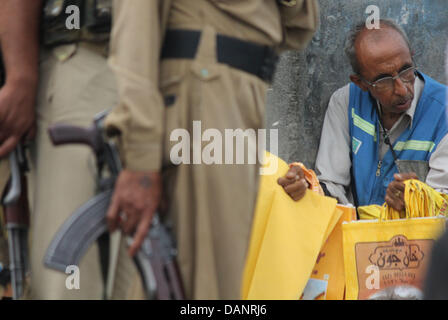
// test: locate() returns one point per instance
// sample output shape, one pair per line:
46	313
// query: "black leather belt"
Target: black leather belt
243	55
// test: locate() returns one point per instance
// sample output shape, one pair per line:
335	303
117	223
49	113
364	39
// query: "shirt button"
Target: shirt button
204	73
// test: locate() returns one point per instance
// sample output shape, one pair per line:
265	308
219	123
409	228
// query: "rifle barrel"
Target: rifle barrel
16	265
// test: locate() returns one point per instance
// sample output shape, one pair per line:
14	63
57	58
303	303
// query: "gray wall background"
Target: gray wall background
304	81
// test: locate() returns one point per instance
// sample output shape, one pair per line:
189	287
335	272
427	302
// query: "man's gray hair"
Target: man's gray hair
350	50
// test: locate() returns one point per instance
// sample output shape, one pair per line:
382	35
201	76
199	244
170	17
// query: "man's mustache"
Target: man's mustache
404	100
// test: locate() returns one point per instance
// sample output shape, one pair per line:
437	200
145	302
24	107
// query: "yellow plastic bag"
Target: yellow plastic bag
391	251
327	281
380	254
286	239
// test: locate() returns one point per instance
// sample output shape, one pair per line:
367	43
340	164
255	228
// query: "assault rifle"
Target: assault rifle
16	212
156	259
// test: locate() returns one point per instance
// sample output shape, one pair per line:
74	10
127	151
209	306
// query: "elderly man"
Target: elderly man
390	116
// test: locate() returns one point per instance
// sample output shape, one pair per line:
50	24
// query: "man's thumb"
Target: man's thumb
293	172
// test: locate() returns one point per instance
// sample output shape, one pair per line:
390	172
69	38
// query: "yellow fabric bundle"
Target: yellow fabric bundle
371	212
420	201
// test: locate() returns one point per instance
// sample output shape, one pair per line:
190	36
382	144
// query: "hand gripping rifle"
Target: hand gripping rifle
156	259
16	212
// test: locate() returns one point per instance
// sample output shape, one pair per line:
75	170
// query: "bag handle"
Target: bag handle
389	213
420	201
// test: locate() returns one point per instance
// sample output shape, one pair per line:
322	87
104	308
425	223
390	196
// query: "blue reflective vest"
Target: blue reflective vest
370	176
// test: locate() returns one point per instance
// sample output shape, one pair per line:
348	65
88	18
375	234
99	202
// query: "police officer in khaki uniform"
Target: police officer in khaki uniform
75	83
181	61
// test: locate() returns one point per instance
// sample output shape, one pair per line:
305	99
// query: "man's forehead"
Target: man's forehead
385	31
384	48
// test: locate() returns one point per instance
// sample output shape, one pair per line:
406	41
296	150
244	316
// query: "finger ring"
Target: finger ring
397	194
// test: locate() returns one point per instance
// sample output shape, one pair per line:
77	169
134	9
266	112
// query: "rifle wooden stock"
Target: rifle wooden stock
163	271
161	253
15	214
163	291
169	285
18	213
175	280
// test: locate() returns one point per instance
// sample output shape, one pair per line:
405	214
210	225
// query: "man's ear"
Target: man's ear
358	81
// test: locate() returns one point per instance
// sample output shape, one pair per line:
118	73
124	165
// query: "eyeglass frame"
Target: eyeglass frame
375	83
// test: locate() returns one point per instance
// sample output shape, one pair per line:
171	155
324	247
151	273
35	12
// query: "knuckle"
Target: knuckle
139	206
129	228
111	213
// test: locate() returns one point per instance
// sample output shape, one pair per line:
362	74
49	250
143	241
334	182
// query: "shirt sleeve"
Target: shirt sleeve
300	19
437	176
134	58
333	158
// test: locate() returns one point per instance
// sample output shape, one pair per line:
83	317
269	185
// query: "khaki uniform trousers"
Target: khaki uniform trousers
75	84
210	206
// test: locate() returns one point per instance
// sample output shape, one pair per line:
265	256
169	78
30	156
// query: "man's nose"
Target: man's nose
400	88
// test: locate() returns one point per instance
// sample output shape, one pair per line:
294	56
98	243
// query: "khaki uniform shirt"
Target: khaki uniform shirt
136	42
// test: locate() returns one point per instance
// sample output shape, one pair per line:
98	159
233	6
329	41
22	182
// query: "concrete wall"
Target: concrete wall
305	81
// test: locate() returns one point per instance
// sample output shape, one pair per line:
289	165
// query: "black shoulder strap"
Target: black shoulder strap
386	134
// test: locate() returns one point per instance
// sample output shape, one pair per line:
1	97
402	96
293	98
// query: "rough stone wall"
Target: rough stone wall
305	80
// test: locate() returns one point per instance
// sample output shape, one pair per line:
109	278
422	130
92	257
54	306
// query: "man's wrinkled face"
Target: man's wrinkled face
384	53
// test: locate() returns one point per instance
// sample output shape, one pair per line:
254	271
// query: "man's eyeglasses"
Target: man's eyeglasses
388	83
